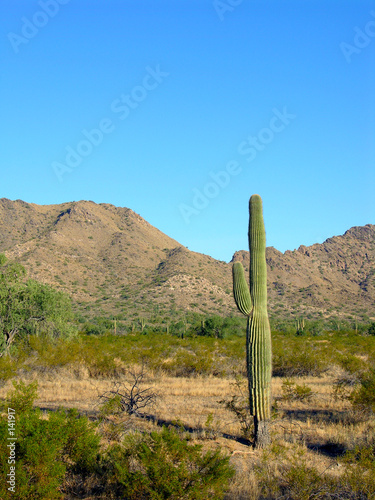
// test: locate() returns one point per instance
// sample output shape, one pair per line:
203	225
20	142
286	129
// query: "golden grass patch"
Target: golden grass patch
320	430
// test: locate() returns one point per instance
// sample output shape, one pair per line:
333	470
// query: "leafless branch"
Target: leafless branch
130	399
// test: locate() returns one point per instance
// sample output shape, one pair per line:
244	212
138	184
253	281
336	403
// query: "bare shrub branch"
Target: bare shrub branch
130	399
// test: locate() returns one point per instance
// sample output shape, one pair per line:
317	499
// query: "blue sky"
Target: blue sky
180	110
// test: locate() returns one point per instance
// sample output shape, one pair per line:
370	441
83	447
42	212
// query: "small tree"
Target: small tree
211	327
29	307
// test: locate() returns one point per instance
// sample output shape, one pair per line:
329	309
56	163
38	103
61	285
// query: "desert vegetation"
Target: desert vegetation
77	437
133	406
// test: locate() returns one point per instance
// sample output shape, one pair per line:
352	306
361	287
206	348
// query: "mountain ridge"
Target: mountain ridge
113	261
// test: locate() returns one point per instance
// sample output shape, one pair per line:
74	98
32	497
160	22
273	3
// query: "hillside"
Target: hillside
112	261
336	276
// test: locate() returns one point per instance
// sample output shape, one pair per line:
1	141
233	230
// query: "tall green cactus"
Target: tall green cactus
253	304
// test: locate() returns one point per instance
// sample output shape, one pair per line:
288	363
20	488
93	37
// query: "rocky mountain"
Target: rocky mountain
112	261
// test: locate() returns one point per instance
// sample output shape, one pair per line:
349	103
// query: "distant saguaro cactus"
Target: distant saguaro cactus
300	324
253	304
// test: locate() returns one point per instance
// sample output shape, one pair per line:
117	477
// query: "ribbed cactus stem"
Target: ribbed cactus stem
259	365
257	244
258	335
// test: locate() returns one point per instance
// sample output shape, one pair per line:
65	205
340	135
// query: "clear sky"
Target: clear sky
181	109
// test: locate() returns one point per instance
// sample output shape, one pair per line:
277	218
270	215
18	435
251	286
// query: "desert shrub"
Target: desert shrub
354	367
363	396
91	329
315	327
130	398
81	447
103	366
350	343
284	326
46	449
297	358
356	384
22	397
238	404
291	391
178	328
186	363
211	327
358	478
353	364
234	326
108	355
287	474
283	476
99	325
219	327
50	354
371	330
8	368
164	466
301	482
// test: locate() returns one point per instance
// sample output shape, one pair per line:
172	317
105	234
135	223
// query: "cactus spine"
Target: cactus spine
253	304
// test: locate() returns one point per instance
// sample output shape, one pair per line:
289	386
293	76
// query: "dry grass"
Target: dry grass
320	430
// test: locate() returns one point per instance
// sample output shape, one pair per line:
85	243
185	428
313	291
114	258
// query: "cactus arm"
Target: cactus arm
241	290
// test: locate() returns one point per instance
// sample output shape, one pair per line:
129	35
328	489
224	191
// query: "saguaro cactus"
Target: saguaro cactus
253	304
300	324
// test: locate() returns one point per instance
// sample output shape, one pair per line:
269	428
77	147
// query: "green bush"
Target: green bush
108	355
21	399
363	397
358	477
219	327
164	466
293	392
60	453
189	364
8	367
283	476
46	449
48	354
212	327
297	358
103	366
91	329
353	364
